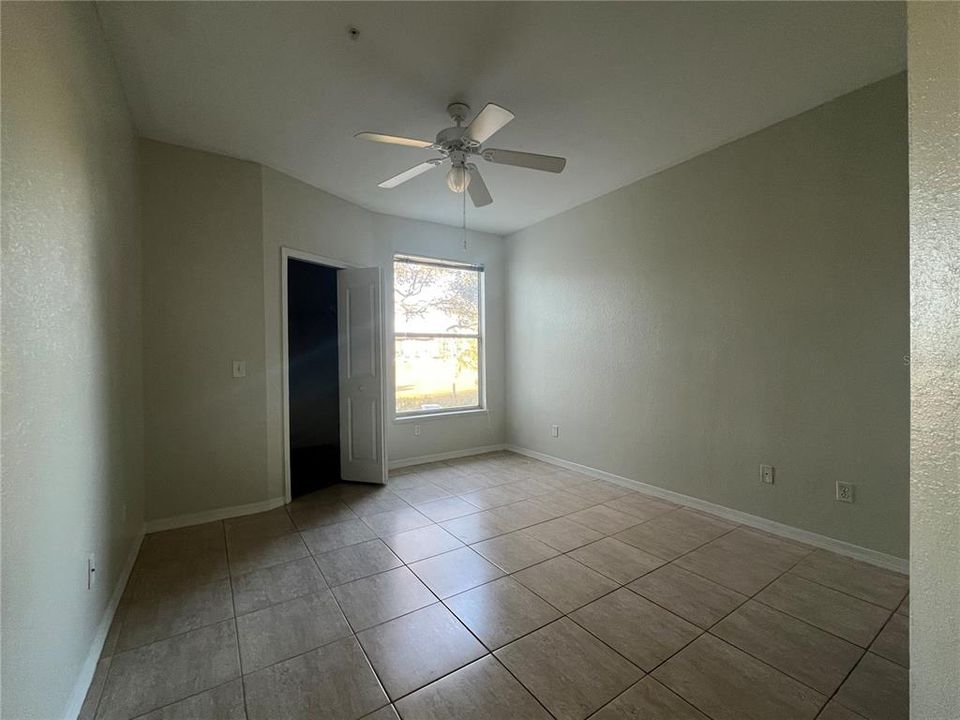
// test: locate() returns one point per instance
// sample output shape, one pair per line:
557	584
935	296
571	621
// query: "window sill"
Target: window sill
404	419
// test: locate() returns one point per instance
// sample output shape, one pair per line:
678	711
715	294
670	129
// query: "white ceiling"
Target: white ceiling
621	89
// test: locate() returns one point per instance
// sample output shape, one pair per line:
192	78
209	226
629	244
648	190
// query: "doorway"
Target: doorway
314	400
333	373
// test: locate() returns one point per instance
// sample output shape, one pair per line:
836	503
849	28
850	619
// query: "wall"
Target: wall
72	400
747	306
213	231
299	216
934	75
202	309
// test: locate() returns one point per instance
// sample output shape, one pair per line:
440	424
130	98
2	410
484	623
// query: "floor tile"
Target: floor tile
495	496
385	713
749	545
565	583
476	527
501	611
563	534
281	631
467	483
92	700
396	521
642	632
838	613
727	684
600	491
446	508
567	669
182	542
655	539
835	711
373	503
317	515
248	554
382	597
649	700
265	524
604	519
877	689
422	493
808	654
729	569
904	608
455	571
690	596
643	507
170	612
853	577
419	544
562	502
224	702
185	572
335	681
893	643
483	690
522	514
514	551
418	648
276	584
331	537
356	561
617	560
169	670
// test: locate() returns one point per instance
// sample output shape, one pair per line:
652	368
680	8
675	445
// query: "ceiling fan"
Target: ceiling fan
459	144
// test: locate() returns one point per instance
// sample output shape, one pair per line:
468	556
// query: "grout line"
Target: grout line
236	625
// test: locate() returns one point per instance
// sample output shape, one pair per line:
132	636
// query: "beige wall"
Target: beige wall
213	232
934	73
747	306
202	309
72	411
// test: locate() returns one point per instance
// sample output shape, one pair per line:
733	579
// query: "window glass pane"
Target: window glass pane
430	299
437	374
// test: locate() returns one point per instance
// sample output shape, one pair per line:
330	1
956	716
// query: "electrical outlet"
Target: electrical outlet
766	474
416	430
845	491
555	431
91	571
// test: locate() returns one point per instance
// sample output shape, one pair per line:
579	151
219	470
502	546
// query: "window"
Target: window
438	335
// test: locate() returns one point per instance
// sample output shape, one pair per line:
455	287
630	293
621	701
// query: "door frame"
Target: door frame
288	253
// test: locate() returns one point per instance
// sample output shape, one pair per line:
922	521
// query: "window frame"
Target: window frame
479	268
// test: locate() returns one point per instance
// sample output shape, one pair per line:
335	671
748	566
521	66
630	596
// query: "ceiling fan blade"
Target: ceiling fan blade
393	139
547	163
487	122
410	174
478	188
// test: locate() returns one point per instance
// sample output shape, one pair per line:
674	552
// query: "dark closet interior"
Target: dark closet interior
313	376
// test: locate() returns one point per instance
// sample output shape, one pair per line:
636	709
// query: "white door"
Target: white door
362	442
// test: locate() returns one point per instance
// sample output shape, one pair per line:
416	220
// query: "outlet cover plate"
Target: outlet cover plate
845	492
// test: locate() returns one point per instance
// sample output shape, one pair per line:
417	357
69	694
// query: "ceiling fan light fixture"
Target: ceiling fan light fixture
458	179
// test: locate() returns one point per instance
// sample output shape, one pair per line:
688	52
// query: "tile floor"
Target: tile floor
499	587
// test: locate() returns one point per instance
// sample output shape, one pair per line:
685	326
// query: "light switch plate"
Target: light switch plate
239	368
554	431
767	474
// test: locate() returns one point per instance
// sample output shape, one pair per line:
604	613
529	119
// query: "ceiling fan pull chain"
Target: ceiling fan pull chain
463	197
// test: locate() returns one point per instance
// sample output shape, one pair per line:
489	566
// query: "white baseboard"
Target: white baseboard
89	667
172	523
423	459
874	557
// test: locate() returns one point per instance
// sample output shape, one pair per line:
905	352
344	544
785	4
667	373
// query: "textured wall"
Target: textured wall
72	412
748	306
202	309
934	75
